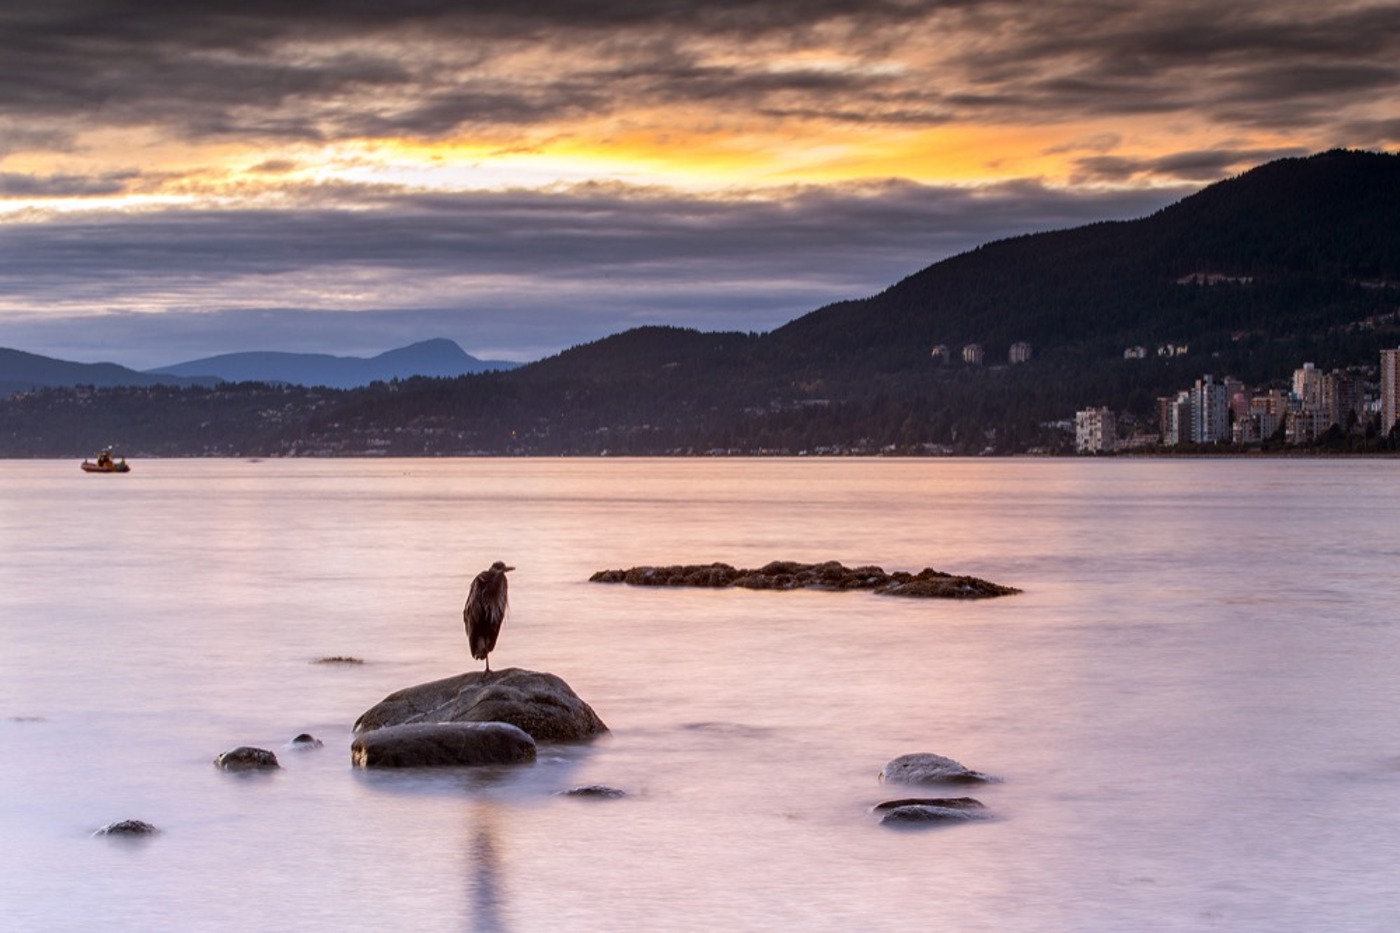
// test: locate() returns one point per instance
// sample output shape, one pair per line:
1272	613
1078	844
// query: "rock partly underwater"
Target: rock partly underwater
247	758
439	744
541	704
791	575
928	768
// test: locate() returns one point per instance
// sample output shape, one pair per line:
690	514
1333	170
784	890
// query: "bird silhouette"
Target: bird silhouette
485	610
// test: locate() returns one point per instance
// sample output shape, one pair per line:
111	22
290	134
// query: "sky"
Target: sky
182	178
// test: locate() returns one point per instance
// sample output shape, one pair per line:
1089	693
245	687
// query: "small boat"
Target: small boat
105	464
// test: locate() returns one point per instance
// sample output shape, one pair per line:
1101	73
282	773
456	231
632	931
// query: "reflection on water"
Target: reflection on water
1191	705
485	894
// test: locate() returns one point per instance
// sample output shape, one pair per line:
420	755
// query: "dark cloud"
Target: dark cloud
212	68
1197	165
17	185
1373	134
1283	64
513	273
322	69
275	167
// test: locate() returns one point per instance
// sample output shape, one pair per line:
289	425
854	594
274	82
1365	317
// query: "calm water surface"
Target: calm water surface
1194	705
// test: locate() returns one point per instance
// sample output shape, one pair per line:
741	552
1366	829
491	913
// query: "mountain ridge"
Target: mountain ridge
436	357
21	371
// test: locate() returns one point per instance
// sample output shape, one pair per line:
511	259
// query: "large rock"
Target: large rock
927	768
830	575
543	705
428	745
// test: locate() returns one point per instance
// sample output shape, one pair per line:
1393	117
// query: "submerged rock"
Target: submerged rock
595	791
247	758
830	575
305	742
926	814
439	744
127	828
927	768
541	704
952	803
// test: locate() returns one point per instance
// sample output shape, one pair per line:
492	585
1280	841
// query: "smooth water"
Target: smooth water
1194	706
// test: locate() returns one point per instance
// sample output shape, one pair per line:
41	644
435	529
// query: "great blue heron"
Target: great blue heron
484	611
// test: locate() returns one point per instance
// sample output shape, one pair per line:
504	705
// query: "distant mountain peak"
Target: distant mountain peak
437	357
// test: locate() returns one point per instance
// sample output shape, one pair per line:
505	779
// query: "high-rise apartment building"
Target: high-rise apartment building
1210	412
1307	387
1174	414
1390	388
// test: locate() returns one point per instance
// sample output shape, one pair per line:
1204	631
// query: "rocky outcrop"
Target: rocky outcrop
831	575
541	704
439	744
927	768
127	828
247	758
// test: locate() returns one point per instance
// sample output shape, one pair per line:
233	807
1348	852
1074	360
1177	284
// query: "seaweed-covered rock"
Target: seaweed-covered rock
541	704
933	584
439	744
247	758
830	575
927	768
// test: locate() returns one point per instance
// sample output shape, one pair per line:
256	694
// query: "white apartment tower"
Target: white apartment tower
1390	389
1210	412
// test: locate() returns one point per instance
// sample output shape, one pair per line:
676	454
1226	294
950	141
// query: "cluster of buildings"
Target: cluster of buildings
974	355
1167	349
1226	412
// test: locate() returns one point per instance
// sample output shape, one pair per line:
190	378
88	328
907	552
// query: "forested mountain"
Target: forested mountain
1291	248
21	372
437	358
1297	260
